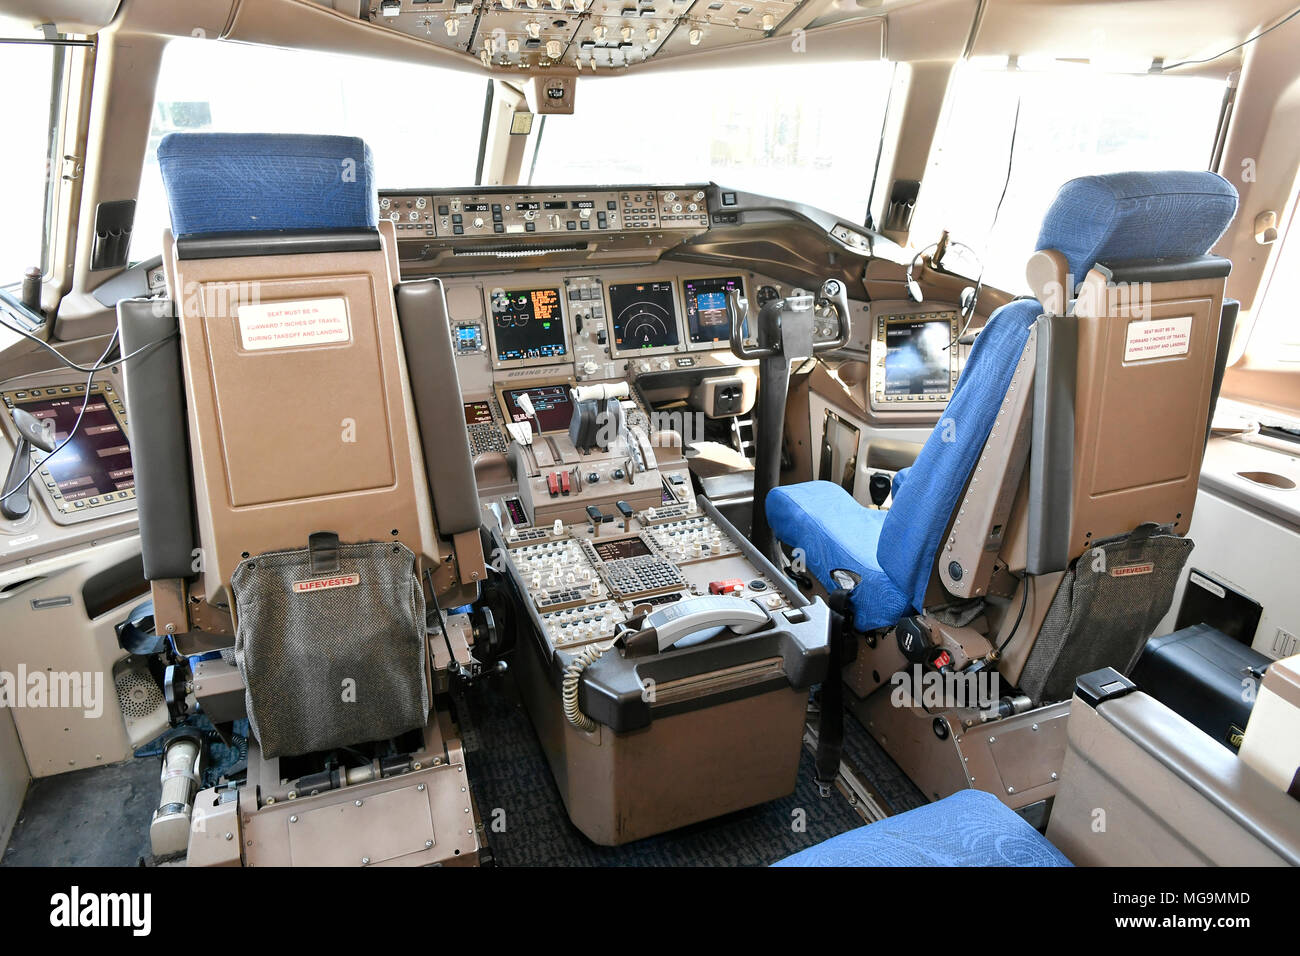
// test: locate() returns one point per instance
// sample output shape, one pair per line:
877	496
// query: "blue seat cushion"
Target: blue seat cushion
832	531
1141	215
242	182
969	828
894	550
924	501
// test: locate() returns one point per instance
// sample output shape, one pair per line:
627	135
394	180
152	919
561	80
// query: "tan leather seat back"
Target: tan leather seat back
300	411
1123	388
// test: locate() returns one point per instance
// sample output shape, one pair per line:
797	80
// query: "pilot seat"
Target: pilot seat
1041	531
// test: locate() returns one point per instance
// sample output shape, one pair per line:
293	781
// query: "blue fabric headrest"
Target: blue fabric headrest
240	182
1124	216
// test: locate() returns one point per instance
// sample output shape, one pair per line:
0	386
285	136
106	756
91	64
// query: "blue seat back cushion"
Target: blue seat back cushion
241	182
915	523
969	828
1141	215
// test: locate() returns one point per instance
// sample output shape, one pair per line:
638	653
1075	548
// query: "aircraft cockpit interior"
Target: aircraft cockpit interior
803	433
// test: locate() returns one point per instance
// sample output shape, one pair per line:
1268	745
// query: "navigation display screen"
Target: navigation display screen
551	404
527	324
707	318
916	358
644	315
97	461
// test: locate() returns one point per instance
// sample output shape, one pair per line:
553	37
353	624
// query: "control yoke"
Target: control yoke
32	431
788	330
828	329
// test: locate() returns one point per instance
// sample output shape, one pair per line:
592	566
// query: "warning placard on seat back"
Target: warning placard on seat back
283	325
1158	338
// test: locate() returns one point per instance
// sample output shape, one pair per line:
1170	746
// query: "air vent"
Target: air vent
517	251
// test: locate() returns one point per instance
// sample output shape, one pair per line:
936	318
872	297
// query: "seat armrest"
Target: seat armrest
1142	786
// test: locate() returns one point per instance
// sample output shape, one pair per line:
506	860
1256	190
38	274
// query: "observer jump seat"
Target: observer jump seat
1073	427
304	504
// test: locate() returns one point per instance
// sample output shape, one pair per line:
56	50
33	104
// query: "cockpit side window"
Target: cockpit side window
1274	338
806	131
33	71
206	84
1074	120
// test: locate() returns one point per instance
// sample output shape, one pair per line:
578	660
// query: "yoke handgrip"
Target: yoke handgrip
834	296
738	310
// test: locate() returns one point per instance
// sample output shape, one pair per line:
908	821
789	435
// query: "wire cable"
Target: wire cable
1173	66
997	211
1024	601
101	364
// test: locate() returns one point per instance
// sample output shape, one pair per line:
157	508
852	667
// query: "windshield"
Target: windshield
228	87
31	122
1073	121
808	132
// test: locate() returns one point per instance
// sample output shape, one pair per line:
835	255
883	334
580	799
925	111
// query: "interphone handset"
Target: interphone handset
675	621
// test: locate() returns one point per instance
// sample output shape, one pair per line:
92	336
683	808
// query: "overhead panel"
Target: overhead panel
533	35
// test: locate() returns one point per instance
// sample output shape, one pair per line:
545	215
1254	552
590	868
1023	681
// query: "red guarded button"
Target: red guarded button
725	587
553	484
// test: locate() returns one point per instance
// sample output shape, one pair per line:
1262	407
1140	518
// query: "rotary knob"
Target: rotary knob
478	222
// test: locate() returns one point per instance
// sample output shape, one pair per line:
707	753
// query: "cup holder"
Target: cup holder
1268	479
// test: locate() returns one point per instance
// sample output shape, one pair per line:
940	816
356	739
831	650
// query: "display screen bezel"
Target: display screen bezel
504	405
673	292
566	339
64	510
885	315
709	344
